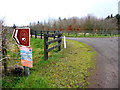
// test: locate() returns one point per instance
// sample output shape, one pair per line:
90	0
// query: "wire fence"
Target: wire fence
10	55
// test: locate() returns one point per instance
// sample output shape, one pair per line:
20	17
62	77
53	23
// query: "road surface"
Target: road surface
106	74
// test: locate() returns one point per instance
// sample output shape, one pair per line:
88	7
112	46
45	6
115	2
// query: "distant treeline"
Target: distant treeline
77	24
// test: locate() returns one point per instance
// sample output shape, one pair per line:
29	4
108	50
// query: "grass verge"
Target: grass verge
68	68
90	35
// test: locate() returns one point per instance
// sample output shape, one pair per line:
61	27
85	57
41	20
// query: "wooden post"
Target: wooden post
4	54
31	32
26	71
47	32
76	33
68	33
45	47
41	34
4	51
84	33
54	36
35	34
59	48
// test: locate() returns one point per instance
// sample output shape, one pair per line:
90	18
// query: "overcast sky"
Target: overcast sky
22	12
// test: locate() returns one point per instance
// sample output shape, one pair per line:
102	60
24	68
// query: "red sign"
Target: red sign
22	36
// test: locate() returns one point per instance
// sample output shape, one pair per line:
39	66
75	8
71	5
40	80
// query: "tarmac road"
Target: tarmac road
106	74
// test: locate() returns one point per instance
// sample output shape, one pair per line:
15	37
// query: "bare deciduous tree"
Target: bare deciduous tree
89	23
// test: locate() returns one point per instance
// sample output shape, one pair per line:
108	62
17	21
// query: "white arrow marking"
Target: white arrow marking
16	36
23	39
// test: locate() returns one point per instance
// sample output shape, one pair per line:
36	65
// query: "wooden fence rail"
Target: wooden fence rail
47	43
41	33
83	33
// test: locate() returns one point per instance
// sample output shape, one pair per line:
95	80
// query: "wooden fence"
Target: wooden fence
47	43
56	35
41	33
82	33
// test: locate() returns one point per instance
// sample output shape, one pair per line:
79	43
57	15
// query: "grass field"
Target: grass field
68	68
88	35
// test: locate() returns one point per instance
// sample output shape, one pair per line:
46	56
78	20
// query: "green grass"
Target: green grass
89	35
68	68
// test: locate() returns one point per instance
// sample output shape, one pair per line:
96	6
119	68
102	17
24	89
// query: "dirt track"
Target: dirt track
106	74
